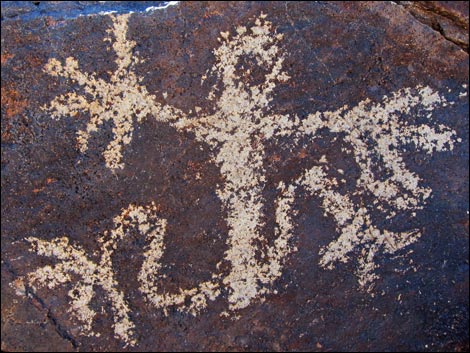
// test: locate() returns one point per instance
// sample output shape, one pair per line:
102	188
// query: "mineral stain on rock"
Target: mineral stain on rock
235	183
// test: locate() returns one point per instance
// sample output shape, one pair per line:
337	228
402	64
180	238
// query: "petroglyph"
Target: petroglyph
383	124
236	134
121	100
74	260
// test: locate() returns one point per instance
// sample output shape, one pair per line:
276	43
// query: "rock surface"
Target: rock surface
235	176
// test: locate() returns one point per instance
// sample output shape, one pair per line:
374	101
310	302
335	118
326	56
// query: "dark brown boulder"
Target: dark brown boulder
269	176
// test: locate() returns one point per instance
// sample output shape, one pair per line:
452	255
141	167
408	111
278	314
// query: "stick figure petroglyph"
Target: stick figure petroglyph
237	133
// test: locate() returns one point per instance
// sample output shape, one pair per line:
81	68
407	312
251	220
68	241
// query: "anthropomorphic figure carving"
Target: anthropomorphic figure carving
236	134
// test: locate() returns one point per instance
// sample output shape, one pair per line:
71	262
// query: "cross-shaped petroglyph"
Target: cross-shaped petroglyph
237	133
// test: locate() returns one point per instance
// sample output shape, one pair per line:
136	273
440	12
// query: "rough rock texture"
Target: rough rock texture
450	18
235	176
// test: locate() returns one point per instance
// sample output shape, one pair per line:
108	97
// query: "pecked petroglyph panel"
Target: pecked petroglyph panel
209	175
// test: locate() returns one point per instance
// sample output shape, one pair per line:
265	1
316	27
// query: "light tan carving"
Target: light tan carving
236	135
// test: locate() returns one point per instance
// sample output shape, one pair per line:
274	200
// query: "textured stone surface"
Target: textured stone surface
450	18
235	176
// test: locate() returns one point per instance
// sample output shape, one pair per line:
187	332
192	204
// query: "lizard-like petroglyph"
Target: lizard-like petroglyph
237	134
